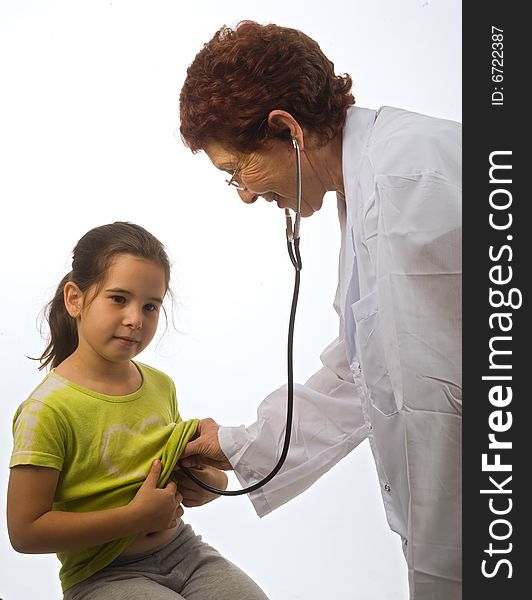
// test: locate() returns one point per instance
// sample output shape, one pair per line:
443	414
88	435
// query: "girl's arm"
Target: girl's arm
35	528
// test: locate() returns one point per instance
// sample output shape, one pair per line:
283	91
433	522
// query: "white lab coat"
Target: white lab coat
394	373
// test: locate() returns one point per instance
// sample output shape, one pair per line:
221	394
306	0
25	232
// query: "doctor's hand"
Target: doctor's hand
205	449
193	494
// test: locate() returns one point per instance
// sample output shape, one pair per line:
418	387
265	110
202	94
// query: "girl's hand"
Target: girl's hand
193	494
157	508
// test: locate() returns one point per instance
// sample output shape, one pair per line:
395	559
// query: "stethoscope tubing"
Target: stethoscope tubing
292	241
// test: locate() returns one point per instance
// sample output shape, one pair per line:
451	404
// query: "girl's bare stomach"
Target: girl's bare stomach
145	542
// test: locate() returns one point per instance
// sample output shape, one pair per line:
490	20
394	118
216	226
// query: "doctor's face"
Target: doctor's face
270	173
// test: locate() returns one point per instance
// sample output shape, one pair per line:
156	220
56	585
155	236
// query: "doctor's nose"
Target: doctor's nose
247	196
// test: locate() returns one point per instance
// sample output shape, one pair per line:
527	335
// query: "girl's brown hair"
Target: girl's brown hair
242	74
91	258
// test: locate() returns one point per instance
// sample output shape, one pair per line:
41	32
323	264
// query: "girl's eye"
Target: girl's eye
151	307
118	299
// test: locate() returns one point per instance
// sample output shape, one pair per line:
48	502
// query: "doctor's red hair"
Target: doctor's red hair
242	74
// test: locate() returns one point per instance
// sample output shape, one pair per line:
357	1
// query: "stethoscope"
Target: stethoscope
292	242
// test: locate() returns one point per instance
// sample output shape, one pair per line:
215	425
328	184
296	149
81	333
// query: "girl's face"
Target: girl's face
119	321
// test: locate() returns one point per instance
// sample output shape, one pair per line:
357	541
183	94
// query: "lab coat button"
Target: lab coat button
387	488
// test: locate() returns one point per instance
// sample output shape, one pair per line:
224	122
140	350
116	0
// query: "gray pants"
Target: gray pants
184	568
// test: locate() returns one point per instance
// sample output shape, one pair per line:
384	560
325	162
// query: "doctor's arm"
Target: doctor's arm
327	424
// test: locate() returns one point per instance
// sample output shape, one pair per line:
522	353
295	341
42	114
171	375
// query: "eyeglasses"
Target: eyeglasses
234	181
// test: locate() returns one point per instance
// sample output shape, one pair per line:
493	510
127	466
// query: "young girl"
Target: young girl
96	442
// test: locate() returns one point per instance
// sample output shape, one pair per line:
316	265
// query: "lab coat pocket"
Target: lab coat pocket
420	225
419	264
423	314
371	353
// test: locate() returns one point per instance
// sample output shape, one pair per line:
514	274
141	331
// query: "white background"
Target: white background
88	112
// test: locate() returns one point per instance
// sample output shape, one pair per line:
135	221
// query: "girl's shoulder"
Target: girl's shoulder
151	375
54	394
52	389
45	404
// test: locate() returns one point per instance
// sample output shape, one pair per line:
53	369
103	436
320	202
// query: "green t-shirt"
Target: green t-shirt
103	446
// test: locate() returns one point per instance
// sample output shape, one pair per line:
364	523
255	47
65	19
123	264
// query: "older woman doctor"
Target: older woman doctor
393	374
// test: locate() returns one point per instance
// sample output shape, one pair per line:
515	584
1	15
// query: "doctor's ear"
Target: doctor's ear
73	298
283	124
